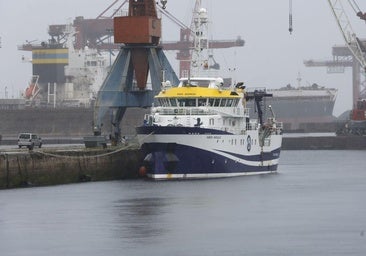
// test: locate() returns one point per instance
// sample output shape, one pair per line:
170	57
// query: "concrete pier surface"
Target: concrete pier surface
52	166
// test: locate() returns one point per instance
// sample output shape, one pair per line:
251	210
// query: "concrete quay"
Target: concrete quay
324	143
52	166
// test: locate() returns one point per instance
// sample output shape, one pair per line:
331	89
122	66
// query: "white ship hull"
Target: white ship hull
189	153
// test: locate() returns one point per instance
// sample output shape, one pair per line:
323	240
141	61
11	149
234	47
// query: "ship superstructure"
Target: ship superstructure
66	76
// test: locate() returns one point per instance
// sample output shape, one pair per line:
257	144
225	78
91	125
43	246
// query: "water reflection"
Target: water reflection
141	218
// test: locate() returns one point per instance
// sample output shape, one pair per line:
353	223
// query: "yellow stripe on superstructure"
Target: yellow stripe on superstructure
50	56
194	92
50	61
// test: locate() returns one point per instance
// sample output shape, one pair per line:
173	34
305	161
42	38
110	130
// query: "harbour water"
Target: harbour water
315	205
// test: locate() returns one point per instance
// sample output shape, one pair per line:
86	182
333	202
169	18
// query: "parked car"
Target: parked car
29	140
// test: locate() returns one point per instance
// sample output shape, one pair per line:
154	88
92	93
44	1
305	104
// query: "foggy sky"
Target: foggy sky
271	56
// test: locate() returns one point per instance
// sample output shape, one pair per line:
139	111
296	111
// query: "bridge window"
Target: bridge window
195	83
229	102
187	102
235	102
160	101
165	102
173	102
202	102
223	103
217	102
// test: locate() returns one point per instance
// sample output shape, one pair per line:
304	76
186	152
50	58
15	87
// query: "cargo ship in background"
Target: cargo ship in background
65	76
296	107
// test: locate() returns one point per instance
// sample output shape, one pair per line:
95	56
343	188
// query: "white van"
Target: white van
29	140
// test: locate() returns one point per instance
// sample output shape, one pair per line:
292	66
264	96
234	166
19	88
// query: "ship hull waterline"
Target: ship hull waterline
196	153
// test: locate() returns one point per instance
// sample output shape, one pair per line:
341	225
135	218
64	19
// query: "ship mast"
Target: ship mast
200	42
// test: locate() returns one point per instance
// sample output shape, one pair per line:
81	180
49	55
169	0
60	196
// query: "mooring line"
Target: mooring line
91	156
83	156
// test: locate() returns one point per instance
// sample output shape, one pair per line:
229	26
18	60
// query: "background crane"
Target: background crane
186	43
353	42
350	55
97	33
139	56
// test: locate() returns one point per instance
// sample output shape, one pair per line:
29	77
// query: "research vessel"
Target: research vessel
201	129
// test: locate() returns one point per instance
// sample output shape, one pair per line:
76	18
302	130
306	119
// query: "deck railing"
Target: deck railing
226	111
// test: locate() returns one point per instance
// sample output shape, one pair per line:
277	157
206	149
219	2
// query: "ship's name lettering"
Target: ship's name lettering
213	137
187	93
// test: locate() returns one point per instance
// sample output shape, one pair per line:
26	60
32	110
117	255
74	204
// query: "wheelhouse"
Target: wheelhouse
198	92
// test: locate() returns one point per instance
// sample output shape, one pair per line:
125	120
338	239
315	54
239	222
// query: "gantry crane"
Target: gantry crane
350	55
353	54
140	55
353	43
97	33
356	125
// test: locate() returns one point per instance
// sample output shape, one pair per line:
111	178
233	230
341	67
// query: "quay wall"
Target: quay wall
324	143
42	168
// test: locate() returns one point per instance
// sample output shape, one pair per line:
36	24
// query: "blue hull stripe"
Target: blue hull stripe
179	159
266	156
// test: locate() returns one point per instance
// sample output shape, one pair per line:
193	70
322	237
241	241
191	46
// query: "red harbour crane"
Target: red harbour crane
97	33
